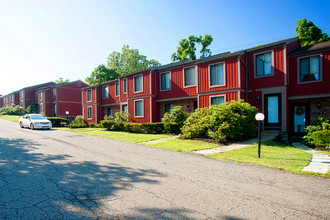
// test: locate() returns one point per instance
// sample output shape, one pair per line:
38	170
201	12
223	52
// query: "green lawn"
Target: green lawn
181	145
116	135
273	155
13	118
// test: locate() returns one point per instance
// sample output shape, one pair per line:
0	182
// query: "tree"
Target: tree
309	34
187	48
129	61
101	74
61	80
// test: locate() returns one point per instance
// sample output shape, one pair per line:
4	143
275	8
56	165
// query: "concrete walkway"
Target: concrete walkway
320	162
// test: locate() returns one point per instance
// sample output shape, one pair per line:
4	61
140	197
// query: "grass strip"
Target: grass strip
13	118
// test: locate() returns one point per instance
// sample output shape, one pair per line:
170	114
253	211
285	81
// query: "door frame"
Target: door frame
273	126
307	117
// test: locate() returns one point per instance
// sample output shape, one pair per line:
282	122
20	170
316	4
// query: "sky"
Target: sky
41	41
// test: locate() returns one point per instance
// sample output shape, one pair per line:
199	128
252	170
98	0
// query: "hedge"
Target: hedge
74	125
146	128
58	122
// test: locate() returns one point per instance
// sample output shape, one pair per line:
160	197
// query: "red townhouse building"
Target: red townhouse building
11	99
28	95
265	76
1	101
55	100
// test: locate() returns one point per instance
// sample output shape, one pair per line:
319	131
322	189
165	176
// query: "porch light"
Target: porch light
259	117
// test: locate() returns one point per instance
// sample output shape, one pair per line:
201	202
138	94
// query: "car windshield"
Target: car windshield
37	117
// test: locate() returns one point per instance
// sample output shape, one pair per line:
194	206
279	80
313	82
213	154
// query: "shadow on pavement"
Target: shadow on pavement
40	186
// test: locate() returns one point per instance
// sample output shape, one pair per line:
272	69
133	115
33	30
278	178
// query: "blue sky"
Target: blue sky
41	41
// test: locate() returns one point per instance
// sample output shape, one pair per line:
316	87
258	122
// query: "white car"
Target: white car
34	121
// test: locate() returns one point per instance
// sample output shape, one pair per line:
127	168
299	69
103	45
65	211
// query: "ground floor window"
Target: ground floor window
216	100
138	108
109	111
168	107
89	113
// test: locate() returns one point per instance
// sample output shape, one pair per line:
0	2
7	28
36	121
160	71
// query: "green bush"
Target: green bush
32	109
58	122
230	121
108	124
174	120
321	127
147	128
92	125
153	128
12	110
74	125
121	116
321	138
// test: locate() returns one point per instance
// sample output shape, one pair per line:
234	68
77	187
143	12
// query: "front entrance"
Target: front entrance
273	116
299	118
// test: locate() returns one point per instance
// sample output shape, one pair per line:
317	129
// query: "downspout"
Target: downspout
246	78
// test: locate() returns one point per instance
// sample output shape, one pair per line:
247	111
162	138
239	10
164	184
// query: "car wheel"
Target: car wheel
21	124
32	126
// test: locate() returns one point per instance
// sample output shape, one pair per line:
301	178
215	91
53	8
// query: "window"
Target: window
41	107
165	81
22	94
109	111
216	75
124	108
189	76
89	113
138	84
117	89
138	108
263	64
125	85
40	96
53	93
89	95
79	84
216	100
105	92
168	107
12	98
309	69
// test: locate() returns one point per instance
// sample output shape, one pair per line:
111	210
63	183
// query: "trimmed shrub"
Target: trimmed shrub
321	127
174	120
59	122
92	125
12	110
321	138
153	128
74	125
230	121
107	124
147	128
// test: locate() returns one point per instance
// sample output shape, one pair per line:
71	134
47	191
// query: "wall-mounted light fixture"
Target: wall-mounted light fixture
318	105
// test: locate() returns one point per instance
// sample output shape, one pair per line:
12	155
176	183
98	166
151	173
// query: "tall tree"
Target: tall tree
61	80
101	74
187	48
129	61
308	33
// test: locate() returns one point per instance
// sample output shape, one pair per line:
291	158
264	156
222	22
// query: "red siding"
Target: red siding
146	84
146	110
123	96
177	87
204	100
268	81
231	76
112	93
311	88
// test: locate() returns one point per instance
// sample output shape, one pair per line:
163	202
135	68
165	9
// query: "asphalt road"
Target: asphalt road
54	175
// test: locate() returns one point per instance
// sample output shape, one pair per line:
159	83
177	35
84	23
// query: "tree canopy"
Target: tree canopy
308	33
101	74
187	48
129	61
61	80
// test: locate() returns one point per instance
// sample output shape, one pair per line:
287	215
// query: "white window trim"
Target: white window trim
134	83
224	74
91	112
255	63
125	85
117	95
216	96
40	96
160	81
91	95
140	116
298	69
184	80
103	92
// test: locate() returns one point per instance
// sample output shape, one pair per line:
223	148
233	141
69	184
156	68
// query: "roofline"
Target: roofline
277	43
37	85
308	51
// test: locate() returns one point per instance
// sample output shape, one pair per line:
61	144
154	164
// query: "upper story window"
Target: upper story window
117	89
41	95
216	100
263	64
125	85
22	94
12	98
105	92
217	74
189	76
89	95
138	83
165	81
53	93
309	69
